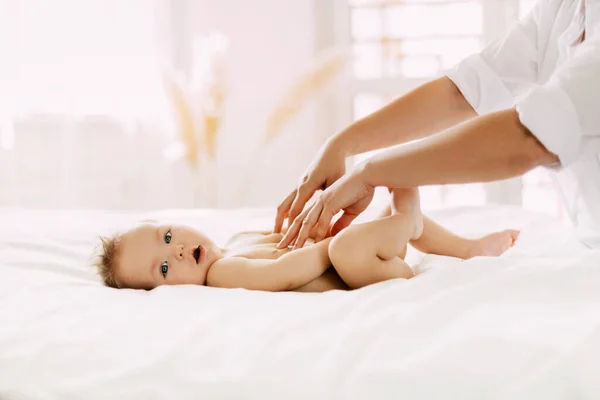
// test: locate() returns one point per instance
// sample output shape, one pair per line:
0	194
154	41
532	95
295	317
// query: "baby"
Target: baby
149	255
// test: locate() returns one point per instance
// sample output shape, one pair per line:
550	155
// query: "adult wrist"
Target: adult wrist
338	145
367	172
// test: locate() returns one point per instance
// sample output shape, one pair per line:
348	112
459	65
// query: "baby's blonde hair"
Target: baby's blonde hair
107	260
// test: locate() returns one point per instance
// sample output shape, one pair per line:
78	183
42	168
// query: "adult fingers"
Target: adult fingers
282	211
308	222
323	224
293	230
303	194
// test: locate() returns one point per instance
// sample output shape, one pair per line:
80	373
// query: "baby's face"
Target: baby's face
154	255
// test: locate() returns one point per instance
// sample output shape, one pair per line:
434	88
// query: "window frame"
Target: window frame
333	25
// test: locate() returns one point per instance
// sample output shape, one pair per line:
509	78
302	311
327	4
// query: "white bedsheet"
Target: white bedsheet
523	326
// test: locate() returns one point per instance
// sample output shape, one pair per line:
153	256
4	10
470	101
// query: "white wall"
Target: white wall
272	41
101	162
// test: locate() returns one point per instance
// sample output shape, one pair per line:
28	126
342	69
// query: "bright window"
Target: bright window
407	40
416	40
412	39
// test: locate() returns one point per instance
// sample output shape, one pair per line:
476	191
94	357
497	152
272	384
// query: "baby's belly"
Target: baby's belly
330	280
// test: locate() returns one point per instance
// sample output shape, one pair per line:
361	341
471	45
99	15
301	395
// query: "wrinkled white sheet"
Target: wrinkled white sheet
522	326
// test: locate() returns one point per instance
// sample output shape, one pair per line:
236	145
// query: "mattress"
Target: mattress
522	326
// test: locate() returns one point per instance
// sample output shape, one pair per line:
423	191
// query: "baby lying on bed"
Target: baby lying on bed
149	255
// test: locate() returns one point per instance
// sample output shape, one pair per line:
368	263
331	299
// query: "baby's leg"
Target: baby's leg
367	253
386	212
436	239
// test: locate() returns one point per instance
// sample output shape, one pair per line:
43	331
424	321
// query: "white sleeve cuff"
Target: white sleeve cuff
550	115
480	85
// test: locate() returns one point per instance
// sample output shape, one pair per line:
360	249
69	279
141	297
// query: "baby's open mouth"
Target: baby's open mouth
197	252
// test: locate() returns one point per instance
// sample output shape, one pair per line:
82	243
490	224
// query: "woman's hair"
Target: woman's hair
107	260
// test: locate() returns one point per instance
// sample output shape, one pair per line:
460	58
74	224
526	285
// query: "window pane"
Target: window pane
367	60
367	103
418	58
442	45
366	23
406	21
539	193
419	39
413	39
380	3
413	66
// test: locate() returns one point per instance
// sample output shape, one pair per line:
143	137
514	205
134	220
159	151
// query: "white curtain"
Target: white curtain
84	119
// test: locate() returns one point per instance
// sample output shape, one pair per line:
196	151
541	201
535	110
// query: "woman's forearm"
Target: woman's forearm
428	109
492	147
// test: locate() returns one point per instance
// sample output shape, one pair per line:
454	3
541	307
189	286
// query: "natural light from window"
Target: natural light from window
416	39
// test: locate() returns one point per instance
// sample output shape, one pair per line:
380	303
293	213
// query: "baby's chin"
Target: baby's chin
214	253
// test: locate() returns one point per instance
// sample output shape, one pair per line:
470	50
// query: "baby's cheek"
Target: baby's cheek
190	277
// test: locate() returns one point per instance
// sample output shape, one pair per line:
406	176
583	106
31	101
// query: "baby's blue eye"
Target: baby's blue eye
168	237
164	268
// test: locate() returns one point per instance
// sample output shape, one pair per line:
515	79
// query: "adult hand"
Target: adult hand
326	168
351	193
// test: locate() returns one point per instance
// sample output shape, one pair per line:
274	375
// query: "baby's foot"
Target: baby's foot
493	244
407	202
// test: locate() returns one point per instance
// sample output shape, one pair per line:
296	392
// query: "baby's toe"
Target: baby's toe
513	235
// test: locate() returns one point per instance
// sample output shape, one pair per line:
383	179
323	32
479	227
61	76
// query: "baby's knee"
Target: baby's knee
345	245
348	258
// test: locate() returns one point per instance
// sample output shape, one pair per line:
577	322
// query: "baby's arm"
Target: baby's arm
289	272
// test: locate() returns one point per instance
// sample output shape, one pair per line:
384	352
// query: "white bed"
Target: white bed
523	326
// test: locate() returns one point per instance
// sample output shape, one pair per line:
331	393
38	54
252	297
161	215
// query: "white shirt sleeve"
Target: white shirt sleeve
505	69
566	110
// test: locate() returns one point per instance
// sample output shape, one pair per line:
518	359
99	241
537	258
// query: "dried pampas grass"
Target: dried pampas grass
323	73
184	116
198	99
211	130
197	128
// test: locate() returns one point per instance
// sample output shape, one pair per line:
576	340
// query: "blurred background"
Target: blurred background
144	104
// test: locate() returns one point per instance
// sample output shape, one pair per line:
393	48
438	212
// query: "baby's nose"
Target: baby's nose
179	252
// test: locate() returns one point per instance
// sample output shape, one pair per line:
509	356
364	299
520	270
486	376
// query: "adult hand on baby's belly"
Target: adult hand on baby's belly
350	194
327	167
